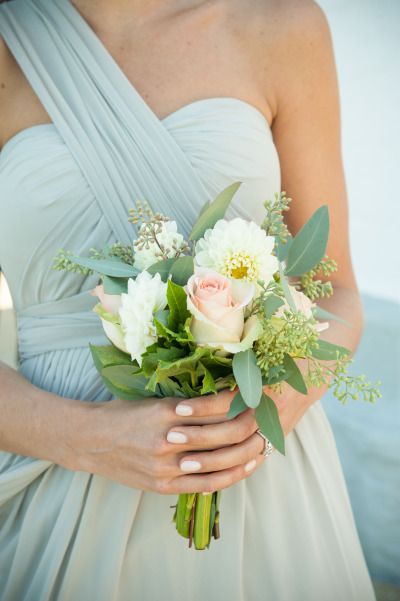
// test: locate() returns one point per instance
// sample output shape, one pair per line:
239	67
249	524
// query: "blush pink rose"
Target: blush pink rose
217	307
304	305
110	302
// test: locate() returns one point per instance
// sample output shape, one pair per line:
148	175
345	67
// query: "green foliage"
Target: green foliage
316	288
267	418
293	375
213	211
126	382
271	305
327	351
237	406
292	335
114	285
248	377
181	270
177	303
273	222
104	356
345	386
309	244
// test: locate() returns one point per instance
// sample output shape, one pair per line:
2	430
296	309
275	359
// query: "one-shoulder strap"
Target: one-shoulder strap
122	147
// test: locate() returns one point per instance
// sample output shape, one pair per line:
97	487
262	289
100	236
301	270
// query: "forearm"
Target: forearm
35	422
346	304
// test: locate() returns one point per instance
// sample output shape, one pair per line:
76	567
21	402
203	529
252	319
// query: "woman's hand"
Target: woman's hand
156	445
171	445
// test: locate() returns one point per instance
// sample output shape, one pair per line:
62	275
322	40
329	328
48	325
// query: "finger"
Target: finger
210	404
212	482
221	459
213	436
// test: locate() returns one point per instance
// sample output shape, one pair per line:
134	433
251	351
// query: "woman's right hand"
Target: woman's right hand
142	444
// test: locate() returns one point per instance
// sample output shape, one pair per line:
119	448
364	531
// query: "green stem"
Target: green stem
201	533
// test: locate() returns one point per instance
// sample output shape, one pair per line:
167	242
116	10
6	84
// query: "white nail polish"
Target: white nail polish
183	409
177	437
250	465
190	466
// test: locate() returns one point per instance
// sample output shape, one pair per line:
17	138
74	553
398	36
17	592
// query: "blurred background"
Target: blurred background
367	49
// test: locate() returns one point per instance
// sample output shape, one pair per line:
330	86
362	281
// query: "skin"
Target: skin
276	55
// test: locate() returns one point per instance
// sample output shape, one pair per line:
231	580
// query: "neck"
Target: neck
111	16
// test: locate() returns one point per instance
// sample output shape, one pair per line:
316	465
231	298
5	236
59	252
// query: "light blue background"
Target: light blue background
367	49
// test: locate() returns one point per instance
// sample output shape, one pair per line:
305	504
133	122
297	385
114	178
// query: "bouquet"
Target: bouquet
232	307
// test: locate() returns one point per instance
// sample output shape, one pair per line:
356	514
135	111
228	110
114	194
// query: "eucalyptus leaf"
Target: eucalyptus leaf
320	313
213	212
110	267
272	304
285	287
114	285
293	375
309	244
181	270
248	377
283	249
237	406
267	418
326	351
162	267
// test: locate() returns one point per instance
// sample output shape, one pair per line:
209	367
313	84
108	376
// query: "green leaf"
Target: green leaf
114	285
125	383
285	287
309	245
237	406
248	377
162	267
208	384
271	304
320	313
177	303
104	356
293	375
213	212
110	267
187	364
150	361
326	351
283	249
267	418
171	388
181	270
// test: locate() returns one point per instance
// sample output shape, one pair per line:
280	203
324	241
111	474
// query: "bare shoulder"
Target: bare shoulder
289	39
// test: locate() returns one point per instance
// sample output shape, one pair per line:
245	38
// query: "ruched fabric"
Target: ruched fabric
288	532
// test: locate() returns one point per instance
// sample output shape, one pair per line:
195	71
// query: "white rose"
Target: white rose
146	295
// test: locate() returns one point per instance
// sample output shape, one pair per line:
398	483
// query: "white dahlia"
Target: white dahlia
148	251
238	249
146	295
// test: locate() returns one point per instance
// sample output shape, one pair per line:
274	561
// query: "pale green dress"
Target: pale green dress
287	530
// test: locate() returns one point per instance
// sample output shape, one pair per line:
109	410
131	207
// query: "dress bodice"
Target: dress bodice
47	204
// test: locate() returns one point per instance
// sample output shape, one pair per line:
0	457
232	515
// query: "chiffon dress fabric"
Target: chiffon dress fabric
288	532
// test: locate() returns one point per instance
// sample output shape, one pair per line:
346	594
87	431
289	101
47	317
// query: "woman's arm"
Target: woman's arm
307	133
302	90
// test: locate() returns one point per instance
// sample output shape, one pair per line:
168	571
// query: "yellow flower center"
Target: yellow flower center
240	266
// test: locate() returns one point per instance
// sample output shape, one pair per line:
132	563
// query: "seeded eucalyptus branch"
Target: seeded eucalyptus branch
63	262
316	288
273	222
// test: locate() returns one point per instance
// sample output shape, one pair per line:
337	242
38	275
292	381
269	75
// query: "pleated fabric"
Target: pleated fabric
288	532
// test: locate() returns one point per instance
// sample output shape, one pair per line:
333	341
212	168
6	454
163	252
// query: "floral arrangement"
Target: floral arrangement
231	307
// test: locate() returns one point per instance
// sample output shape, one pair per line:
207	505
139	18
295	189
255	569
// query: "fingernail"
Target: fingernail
182	409
189	466
250	465
177	437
